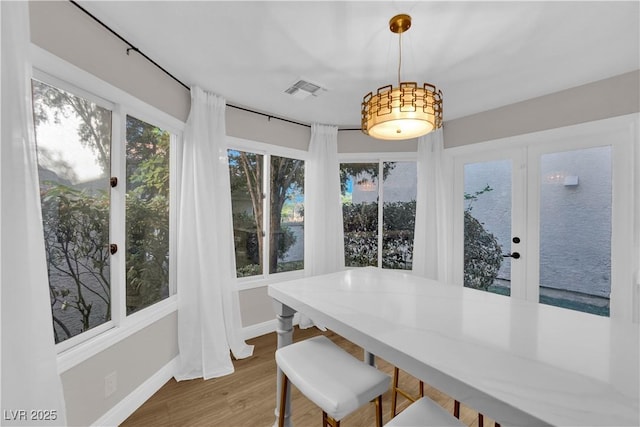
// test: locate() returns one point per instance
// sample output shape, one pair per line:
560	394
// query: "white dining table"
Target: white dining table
516	361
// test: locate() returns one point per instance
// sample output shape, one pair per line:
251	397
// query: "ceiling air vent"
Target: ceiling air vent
303	89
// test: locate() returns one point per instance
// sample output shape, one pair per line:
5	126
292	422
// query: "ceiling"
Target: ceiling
482	55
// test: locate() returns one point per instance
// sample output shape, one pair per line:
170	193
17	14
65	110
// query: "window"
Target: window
272	207
487	225
546	217
73	137
85	210
575	229
366	227
147	214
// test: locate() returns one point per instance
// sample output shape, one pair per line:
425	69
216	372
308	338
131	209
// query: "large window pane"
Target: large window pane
364	231
575	229
286	240
73	138
359	185
246	173
398	214
147	214
487	226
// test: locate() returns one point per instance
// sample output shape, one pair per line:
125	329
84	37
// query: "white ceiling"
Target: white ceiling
482	55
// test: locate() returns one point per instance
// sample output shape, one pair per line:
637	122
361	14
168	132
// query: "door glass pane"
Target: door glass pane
147	214
487	226
286	240
246	173
359	186
73	137
575	229
398	214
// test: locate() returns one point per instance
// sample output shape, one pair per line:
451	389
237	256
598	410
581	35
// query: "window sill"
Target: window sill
132	324
247	283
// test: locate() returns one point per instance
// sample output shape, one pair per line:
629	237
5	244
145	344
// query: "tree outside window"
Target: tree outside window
73	137
283	250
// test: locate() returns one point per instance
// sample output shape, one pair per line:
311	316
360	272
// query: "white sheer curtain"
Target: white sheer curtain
323	245
209	324
431	248
324	242
30	377
636	149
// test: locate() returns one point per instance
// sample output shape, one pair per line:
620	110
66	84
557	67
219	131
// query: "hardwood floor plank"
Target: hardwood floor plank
247	397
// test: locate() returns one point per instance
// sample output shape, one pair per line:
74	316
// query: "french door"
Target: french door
548	217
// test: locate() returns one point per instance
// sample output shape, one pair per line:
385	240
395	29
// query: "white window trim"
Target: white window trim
240	144
377	157
56	71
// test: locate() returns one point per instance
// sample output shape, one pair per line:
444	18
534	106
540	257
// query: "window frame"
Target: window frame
380	159
267	150
623	129
53	70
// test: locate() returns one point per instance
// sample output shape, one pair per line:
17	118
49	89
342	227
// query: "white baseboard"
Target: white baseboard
263	328
127	406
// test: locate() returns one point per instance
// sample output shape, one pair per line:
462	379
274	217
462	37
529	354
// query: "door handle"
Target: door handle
514	255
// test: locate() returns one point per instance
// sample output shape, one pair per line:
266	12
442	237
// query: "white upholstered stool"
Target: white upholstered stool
424	412
331	378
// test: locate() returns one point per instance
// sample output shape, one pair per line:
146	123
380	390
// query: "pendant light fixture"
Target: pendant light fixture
402	112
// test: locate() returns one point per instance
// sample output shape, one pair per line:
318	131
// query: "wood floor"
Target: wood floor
247	397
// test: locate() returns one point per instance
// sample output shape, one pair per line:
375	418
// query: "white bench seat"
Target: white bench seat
424	412
330	377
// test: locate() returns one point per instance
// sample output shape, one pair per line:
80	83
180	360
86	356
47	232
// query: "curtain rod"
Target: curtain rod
135	49
131	47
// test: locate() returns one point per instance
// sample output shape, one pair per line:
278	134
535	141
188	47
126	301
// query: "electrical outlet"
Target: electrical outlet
110	384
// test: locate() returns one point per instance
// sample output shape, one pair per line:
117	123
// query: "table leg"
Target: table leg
284	329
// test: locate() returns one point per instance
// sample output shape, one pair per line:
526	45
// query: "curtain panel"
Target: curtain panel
431	250
30	381
209	324
324	241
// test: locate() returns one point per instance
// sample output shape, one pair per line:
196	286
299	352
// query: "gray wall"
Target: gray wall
134	359
62	29
611	97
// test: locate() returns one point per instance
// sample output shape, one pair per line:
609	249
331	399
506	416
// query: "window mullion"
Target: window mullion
175	170
117	227
266	213
380	213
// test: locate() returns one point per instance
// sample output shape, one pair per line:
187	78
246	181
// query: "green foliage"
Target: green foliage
286	182
76	219
470	198
246	242
248	270
77	247
360	222
399	216
397	241
361	234
147	214
482	252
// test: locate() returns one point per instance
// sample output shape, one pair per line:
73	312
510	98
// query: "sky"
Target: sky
60	142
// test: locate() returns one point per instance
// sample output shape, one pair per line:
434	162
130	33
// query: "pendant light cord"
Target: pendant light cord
399	57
